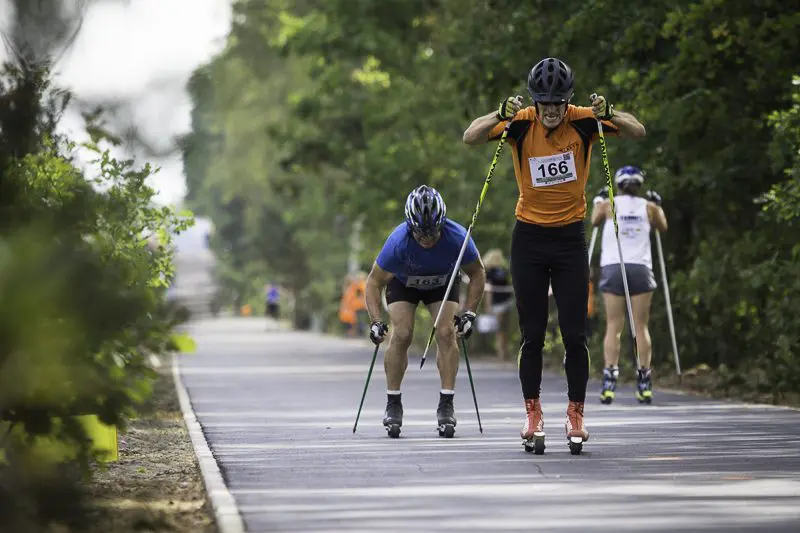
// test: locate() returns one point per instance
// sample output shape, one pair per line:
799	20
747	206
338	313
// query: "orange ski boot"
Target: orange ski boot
533	431
576	431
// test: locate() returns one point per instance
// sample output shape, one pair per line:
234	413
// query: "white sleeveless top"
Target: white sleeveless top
634	233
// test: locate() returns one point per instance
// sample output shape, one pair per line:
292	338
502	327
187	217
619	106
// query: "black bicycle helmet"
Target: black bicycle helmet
550	81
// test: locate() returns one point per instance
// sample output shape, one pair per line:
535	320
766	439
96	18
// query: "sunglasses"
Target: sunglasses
425	235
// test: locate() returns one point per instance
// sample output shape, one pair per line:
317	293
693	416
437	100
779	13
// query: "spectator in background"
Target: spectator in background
272	296
498	297
352	307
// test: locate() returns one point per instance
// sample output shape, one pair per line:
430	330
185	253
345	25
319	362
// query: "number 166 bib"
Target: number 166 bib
553	169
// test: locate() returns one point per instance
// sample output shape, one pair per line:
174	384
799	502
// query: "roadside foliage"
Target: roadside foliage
319	115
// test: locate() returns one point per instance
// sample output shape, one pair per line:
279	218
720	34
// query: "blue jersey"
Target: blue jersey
425	268
273	295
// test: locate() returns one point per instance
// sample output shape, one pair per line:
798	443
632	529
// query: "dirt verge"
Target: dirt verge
156	486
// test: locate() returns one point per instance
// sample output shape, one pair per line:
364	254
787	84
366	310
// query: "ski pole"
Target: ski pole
471	383
364	394
466	239
591	243
607	170
669	304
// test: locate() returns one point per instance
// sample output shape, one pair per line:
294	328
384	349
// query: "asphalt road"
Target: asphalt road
278	409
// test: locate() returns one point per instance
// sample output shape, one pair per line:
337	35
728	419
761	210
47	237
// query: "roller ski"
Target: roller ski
393	418
445	416
533	431
609	391
644	386
576	431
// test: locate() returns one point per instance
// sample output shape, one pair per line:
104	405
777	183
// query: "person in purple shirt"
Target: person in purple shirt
272	296
415	265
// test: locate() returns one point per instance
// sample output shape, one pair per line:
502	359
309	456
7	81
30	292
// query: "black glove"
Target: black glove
653	196
377	332
465	323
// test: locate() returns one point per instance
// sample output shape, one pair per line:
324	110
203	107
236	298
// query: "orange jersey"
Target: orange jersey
552	167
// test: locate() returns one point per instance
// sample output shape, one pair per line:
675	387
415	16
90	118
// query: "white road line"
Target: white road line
227	513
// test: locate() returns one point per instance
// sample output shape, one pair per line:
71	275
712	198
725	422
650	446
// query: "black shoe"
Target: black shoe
393	417
445	416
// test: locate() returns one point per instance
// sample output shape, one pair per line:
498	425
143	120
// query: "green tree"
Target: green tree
372	100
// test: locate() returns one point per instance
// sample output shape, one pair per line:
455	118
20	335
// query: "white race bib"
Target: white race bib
426	282
553	169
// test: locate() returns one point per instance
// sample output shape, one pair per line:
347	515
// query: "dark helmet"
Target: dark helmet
551	81
425	210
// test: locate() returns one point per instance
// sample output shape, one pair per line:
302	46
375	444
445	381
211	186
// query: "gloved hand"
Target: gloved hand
601	108
602	195
653	196
509	107
465	323
377	332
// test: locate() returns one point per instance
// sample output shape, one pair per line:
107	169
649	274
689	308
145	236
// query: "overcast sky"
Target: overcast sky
143	51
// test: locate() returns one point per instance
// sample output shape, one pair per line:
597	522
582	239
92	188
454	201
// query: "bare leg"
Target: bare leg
446	347
615	321
501	338
401	331
641	316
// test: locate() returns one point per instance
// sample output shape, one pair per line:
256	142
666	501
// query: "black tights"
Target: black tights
541	256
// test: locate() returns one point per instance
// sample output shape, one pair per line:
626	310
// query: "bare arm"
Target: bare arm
478	131
629	127
657	216
477	284
377	280
600	212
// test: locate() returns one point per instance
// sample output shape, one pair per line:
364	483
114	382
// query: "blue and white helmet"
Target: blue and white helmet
629	173
425	210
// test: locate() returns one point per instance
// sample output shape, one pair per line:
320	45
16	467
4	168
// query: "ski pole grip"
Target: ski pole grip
592	96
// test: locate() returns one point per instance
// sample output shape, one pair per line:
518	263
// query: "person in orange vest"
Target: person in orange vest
352	307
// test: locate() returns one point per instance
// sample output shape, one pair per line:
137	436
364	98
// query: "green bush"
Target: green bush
84	265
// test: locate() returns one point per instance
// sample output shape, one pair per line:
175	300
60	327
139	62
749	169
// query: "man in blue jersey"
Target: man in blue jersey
415	266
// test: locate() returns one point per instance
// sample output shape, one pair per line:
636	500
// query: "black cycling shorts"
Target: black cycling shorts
396	291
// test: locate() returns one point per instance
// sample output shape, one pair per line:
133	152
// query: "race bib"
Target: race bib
553	169
426	282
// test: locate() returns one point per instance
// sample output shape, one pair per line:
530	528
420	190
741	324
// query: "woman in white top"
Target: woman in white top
635	218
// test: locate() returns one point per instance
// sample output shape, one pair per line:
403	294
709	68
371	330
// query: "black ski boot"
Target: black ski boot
644	386
610	376
445	416
393	418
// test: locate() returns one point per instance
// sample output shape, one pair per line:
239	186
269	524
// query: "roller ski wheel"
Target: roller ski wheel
448	431
647	400
445	416
534	445
393	430
393	419
575	445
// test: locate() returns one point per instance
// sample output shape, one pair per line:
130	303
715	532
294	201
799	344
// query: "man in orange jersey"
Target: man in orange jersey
551	145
